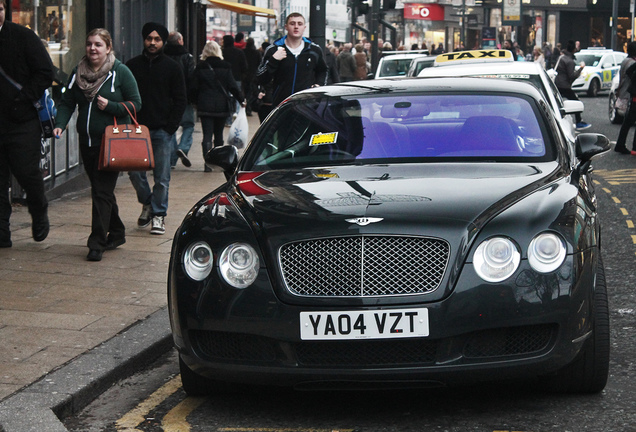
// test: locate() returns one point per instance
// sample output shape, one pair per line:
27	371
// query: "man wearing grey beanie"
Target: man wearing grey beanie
163	96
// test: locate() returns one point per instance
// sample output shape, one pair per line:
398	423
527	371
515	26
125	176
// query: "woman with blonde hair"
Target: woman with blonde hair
96	88
210	92
538	57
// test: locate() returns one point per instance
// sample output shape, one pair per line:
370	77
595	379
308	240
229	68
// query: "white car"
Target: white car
492	64
616	115
396	65
601	66
420	63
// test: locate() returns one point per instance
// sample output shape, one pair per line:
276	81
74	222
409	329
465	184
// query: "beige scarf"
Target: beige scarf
88	80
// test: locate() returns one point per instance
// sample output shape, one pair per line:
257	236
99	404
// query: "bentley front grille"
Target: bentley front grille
364	266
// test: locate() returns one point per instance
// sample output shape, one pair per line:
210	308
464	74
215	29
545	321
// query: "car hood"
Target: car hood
423	199
451	202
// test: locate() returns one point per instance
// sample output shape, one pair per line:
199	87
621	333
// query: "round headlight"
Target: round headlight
197	260
496	259
239	265
546	252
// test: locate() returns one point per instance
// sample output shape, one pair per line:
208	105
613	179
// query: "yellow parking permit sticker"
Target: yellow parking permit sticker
474	56
323	138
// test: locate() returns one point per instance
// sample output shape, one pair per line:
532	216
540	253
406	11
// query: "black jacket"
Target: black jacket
292	74
181	55
236	58
25	59
162	89
206	91
566	71
253	57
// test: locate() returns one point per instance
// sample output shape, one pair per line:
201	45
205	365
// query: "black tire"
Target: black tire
614	116
197	385
589	371
595	87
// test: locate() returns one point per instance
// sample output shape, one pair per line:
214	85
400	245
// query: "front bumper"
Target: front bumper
529	325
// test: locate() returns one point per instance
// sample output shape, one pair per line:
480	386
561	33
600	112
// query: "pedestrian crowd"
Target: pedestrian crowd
166	87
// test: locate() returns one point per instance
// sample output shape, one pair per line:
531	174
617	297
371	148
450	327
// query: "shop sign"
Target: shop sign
511	12
429	12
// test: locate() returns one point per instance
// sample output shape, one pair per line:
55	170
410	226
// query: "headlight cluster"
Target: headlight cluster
238	263
198	260
497	258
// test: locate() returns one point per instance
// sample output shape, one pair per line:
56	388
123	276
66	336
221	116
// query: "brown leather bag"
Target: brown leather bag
126	147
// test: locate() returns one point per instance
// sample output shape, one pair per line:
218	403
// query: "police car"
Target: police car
601	66
499	64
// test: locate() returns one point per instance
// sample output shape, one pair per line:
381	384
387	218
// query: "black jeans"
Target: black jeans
571	94
212	127
628	122
105	224
20	155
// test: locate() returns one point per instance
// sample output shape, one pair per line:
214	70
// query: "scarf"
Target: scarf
88	80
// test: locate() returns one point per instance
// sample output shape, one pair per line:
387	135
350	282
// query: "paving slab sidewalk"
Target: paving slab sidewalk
64	317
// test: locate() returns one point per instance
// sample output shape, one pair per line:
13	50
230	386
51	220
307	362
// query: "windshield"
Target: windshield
325	131
589	59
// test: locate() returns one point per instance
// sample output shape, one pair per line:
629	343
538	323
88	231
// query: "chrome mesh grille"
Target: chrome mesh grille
364	266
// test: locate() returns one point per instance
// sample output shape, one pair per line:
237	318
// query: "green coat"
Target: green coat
119	86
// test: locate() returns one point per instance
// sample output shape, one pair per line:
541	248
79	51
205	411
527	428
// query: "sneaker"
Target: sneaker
582	126
184	158
158	227
145	216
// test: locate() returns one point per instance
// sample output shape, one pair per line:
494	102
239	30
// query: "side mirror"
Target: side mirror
572	107
587	146
225	157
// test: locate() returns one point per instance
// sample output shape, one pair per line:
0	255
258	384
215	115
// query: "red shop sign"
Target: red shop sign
429	12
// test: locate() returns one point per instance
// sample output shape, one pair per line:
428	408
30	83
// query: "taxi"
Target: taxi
601	66
396	233
396	64
499	64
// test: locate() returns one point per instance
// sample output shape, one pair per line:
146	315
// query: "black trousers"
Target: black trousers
628	122
105	224
20	155
212	127
571	94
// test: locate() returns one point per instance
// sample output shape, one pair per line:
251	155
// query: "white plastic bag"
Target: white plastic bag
622	104
239	130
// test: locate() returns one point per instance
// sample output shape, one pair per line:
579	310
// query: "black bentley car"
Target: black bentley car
396	233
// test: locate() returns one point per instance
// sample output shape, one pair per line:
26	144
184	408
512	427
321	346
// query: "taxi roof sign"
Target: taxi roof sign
474	56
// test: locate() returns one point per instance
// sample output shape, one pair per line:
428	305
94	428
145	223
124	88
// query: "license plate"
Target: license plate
370	324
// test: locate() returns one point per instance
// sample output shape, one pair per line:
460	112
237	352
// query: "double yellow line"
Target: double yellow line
615	178
173	421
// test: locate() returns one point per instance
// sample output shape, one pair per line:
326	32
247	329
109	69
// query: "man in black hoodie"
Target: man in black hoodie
177	52
163	95
29	72
235	57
